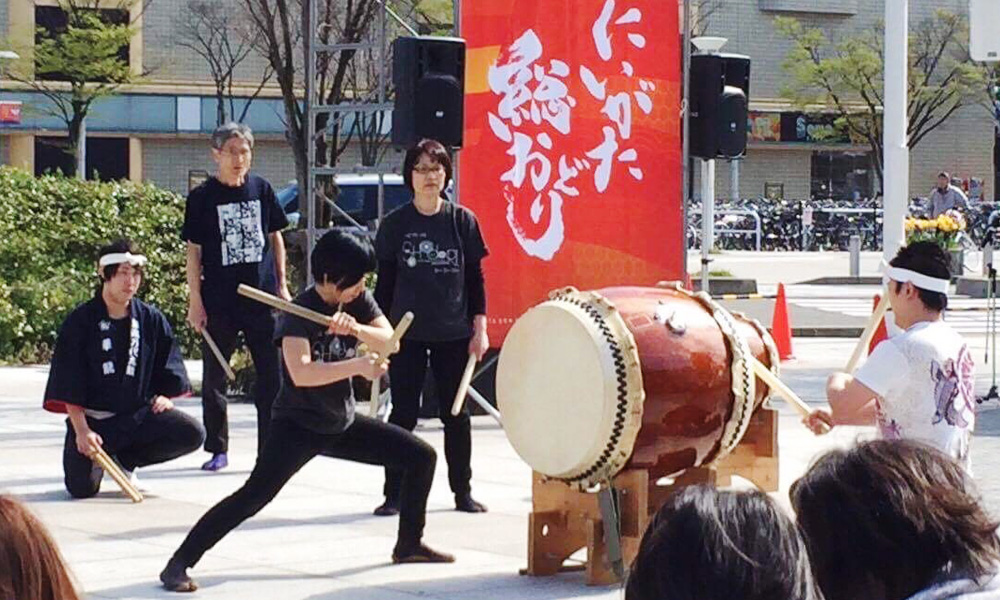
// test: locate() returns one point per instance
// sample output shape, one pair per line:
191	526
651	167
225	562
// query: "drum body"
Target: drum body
653	378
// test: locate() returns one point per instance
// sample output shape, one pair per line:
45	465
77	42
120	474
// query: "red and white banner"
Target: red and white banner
572	155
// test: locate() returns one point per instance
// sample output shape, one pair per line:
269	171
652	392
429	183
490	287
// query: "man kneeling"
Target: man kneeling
115	367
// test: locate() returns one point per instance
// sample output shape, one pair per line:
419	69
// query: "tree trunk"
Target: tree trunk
74	143
220	106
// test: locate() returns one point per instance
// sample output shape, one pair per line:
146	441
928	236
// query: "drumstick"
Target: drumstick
866	336
463	387
104	461
218	354
486	406
311	315
289	307
779	387
397	334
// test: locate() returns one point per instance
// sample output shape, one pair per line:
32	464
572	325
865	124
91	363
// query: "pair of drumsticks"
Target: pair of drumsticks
397	334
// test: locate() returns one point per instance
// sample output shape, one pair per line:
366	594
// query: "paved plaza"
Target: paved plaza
318	539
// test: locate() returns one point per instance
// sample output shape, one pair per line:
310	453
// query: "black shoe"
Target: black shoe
420	554
175	578
465	503
389	508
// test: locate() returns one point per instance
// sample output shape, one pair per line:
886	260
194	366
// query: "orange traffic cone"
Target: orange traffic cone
881	333
781	329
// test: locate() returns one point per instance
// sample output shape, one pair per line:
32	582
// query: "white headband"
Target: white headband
118	258
924	282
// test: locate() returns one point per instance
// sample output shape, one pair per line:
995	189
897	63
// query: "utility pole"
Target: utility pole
896	152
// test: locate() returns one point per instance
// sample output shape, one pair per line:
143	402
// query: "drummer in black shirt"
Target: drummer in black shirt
314	411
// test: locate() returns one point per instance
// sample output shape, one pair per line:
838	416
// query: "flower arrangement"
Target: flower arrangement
944	229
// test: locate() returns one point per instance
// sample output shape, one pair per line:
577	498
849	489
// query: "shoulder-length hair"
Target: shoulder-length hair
30	563
884	519
434	151
707	544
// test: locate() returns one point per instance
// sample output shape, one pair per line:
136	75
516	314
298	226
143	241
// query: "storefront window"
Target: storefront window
841	175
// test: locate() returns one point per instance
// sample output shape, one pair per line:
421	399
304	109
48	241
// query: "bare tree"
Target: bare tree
368	129
281	25
225	40
701	15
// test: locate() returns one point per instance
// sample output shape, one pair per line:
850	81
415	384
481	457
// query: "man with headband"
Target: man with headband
917	385
115	369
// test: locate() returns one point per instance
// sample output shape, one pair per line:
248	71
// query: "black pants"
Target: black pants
137	440
289	447
257	324
407	370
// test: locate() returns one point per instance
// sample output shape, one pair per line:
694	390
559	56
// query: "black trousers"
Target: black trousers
407	370
289	447
136	440
257	324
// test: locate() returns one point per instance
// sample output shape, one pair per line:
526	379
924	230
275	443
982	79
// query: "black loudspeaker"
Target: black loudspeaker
720	93
429	76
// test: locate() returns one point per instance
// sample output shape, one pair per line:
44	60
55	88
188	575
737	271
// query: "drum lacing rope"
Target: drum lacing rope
743	380
621	408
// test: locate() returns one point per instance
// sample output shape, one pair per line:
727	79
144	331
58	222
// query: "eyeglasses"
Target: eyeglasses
246	154
428	170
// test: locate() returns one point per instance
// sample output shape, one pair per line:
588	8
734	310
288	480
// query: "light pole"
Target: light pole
895	149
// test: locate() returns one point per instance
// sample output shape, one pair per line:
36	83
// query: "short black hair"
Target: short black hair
119	246
342	258
435	151
887	517
710	544
926	258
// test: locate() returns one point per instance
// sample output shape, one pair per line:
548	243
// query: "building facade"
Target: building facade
156	131
790	152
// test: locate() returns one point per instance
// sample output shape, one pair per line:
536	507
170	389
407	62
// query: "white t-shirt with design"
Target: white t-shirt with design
924	378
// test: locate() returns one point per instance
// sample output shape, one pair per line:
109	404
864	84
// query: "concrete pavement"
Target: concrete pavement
318	539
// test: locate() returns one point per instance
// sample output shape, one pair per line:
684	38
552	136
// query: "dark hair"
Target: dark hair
116	247
926	258
884	519
30	563
946	175
342	258
436	152
707	544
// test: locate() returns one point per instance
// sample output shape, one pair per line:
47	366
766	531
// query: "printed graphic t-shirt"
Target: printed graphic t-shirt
232	226
430	253
925	381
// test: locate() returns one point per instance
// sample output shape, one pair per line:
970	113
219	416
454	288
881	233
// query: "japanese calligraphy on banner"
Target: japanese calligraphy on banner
572	156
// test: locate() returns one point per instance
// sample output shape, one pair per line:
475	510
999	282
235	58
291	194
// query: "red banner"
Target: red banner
572	156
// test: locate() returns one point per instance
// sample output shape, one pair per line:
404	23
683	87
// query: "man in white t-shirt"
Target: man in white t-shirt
917	385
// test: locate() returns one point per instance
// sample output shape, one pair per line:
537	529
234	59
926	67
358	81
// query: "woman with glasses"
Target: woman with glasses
430	255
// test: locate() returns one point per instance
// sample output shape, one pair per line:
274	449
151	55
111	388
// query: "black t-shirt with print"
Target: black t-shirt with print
327	409
430	253
233	226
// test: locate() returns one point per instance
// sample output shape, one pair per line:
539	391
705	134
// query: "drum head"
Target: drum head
560	388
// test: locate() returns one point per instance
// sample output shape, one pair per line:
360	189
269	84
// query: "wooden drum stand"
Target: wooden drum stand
563	520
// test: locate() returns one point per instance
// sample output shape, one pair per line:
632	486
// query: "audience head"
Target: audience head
885	519
708	544
30	564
